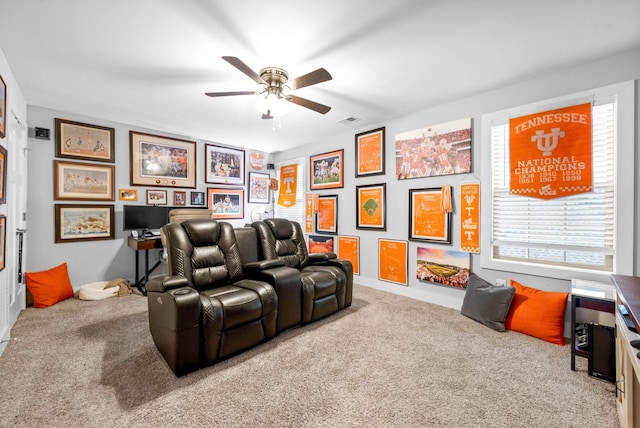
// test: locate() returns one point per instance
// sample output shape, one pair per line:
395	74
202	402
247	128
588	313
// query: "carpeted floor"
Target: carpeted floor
387	361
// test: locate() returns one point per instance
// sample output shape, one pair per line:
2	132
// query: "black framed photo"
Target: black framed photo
427	221
223	165
327	215
198	199
370	147
258	188
371	206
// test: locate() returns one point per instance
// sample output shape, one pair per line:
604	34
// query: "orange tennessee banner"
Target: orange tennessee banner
470	217
550	153
288	185
308	213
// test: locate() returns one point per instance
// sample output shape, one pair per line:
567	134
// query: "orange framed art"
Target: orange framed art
370	152
349	249
327	215
392	261
428	222
371	201
226	203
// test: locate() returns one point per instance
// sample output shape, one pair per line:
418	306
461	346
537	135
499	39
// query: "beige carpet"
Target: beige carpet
386	361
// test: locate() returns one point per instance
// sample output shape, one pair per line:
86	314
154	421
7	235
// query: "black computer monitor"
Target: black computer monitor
144	217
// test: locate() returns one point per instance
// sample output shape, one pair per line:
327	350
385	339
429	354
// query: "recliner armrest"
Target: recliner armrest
321	257
252	268
166	283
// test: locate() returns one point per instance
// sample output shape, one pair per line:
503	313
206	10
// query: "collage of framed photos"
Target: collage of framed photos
84	178
432	151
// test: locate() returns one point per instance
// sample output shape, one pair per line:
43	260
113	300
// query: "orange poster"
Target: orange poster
470	217
370	152
327	218
550	153
349	249
287	195
308	213
392	261
371	206
428	221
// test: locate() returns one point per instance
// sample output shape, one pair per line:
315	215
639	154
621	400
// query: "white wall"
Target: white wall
613	70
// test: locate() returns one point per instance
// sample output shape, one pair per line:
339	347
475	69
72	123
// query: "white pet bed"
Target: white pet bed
96	291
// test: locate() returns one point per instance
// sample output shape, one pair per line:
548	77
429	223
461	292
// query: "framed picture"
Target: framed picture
435	150
3	108
75	223
392	261
370	152
258	188
3	241
128	194
156	197
162	161
349	249
179	198
84	141
427	221
226	203
198	199
80	181
223	165
3	175
327	214
326	170
444	267
320	244
371	202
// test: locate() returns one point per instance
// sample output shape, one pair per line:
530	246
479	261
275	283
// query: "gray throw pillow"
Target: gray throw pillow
487	303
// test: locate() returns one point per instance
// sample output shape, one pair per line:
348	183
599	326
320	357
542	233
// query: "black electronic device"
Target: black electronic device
602	352
144	218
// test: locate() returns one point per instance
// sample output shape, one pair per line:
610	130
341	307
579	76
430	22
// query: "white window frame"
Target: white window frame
624	216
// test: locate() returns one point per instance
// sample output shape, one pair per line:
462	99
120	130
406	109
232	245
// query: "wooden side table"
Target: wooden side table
144	244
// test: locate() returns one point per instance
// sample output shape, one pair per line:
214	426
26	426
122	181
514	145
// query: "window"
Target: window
575	233
295	212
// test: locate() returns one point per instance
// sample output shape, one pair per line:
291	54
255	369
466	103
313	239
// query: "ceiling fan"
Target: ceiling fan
275	88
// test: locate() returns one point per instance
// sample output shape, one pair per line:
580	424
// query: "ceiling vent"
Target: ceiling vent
349	120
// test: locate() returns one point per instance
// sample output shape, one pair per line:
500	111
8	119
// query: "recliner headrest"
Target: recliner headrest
202	232
280	227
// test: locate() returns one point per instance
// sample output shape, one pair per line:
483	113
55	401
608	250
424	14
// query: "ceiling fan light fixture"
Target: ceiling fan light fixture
273	105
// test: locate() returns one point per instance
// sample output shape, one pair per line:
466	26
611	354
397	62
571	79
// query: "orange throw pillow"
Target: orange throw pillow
49	287
538	313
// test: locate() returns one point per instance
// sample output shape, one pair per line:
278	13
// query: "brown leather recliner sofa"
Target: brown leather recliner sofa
223	296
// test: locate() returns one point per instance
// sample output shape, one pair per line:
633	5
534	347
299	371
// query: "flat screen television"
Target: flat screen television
144	217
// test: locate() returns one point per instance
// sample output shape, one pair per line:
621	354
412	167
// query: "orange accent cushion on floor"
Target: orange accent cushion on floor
538	313
49	287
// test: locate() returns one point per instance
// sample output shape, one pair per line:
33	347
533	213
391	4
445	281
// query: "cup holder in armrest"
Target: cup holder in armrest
181	292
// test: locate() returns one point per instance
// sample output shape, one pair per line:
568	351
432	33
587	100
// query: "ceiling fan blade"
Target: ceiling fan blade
320	108
318	76
237	63
226	94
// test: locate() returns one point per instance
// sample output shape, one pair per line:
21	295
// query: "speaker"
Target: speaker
270	166
41	133
602	352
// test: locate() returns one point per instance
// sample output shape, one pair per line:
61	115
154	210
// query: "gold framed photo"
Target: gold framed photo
84	141
81	181
162	161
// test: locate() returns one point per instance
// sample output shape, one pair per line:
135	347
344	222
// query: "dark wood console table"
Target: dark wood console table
627	349
145	244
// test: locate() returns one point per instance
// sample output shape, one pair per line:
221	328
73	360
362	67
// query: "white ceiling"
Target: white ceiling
148	62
